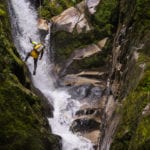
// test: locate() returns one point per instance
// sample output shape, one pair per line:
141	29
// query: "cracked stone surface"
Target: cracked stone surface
72	19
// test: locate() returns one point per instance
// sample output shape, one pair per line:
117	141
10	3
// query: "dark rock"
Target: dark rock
80	92
88	111
95	93
36	3
48	108
84	125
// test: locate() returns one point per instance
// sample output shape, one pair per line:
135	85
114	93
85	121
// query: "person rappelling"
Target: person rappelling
38	49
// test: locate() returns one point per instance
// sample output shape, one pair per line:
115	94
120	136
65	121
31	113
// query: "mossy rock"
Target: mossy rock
133	131
2	13
23	125
22	122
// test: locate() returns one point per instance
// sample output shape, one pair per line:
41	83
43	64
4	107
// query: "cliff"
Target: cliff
125	56
133	77
101	54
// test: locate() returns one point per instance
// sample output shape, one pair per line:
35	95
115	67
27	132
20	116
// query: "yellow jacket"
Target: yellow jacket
38	47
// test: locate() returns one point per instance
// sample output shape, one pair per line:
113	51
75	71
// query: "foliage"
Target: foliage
65	43
105	20
55	7
133	132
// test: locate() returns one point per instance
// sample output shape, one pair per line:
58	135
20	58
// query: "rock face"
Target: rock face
92	4
72	19
82	53
129	64
84	125
43	24
130	72
77	80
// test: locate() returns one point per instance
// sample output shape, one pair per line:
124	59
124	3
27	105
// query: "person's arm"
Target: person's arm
33	42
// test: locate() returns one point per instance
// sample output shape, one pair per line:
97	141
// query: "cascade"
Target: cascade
24	26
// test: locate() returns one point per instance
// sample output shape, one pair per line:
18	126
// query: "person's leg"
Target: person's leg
35	66
28	55
42	51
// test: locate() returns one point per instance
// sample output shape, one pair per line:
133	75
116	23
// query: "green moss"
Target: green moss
132	133
22	121
55	7
141	139
140	4
105	20
2	12
65	43
23	125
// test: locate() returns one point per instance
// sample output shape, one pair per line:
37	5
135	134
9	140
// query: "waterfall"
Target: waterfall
24	26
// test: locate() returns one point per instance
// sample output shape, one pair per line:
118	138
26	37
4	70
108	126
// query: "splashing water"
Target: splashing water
24	26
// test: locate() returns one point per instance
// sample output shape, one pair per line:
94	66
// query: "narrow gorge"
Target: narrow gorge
91	87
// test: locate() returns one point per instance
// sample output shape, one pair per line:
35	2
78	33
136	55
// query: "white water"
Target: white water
24	24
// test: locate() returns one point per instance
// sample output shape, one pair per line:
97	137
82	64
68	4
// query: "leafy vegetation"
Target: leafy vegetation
49	8
133	131
105	20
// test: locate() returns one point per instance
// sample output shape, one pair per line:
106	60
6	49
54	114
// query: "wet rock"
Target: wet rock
43	27
84	125
89	111
48	108
95	93
80	92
